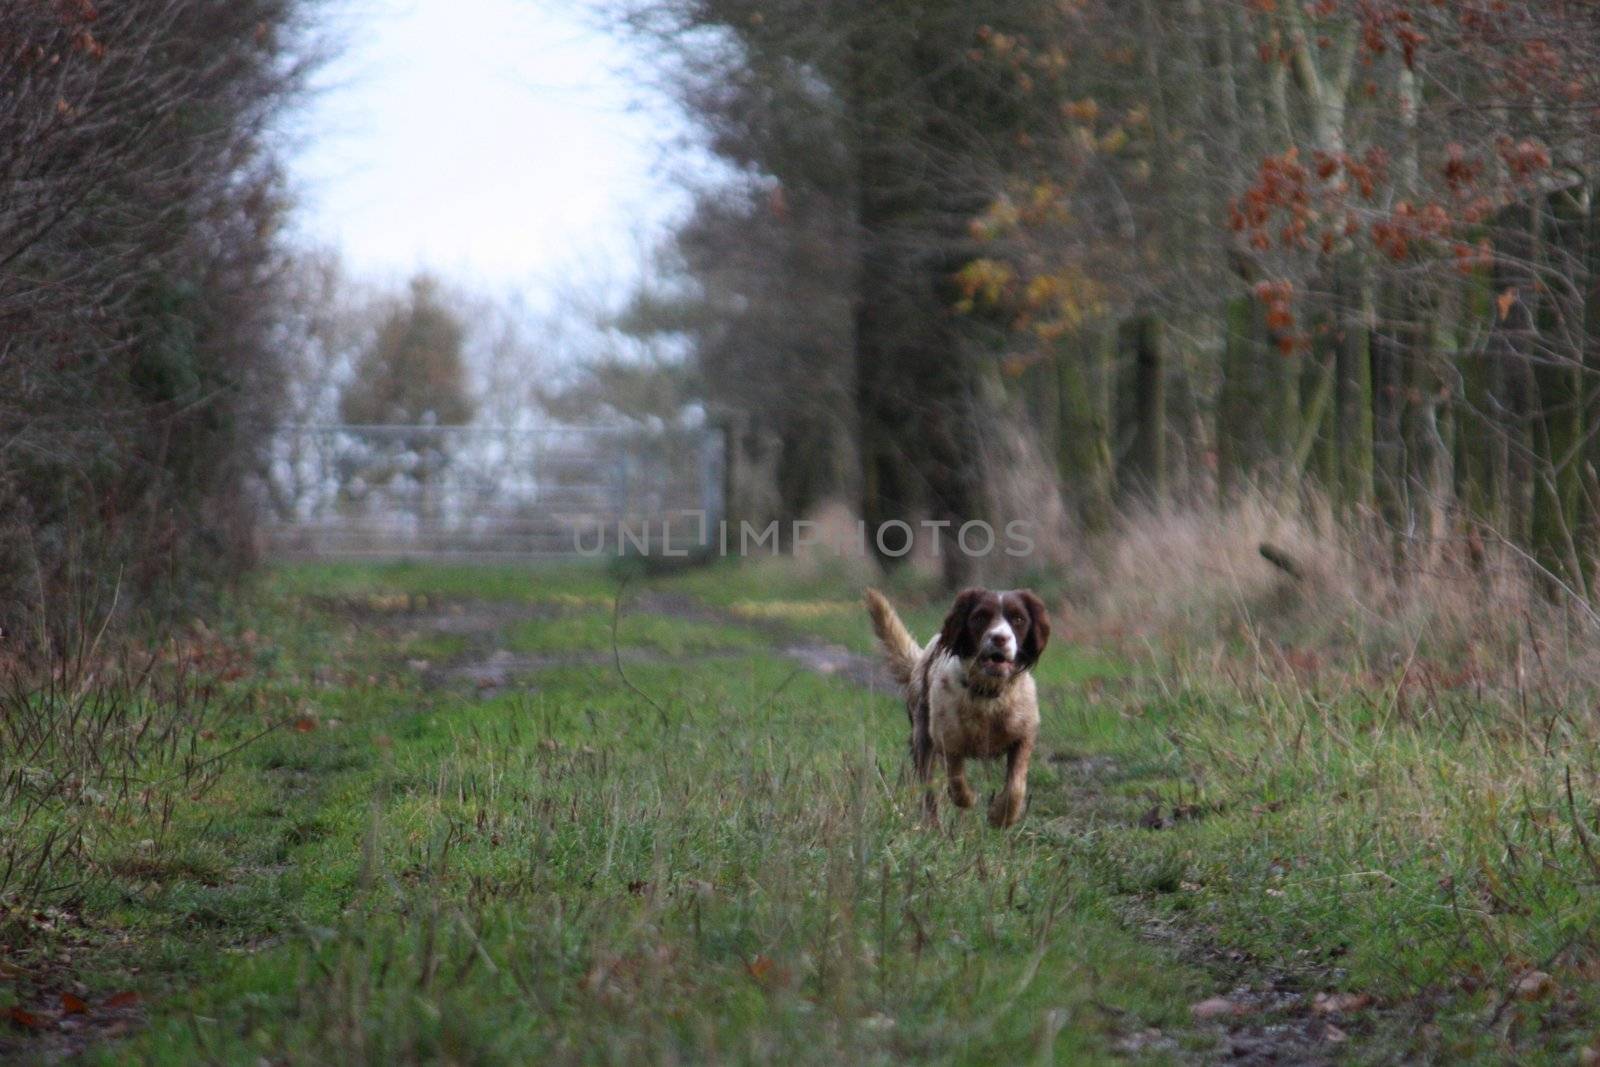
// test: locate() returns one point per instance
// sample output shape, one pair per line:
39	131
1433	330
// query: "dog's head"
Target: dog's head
998	635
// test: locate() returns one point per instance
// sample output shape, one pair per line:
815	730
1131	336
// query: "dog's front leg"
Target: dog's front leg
961	792
1008	804
922	757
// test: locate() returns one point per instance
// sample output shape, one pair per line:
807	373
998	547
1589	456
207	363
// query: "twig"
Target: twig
224	754
1549	961
1579	829
1281	560
616	658
780	688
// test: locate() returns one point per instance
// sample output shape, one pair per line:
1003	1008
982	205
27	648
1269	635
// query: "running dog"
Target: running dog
970	692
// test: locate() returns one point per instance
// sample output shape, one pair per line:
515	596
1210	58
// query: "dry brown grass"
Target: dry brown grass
1197	578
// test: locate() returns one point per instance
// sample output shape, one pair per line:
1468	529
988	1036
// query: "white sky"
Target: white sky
503	143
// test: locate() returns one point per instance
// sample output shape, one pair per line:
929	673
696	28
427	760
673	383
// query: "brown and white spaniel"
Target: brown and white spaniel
970	691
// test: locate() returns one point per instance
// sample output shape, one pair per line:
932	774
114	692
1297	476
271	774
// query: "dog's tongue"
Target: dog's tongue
996	663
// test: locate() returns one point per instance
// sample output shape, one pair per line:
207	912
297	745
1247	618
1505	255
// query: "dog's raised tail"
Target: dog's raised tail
899	647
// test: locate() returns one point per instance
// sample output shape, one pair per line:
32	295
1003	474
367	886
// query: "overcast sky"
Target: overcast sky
505	143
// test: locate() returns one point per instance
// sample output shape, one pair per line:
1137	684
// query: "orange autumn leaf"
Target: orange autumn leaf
1506	301
73	1005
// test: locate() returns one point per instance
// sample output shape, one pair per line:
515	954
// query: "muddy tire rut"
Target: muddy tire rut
488	667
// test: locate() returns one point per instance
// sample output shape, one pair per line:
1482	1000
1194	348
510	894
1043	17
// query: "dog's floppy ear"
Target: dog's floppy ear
1038	630
955	636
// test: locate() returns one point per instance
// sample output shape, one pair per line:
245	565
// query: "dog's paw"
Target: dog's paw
1006	809
962	795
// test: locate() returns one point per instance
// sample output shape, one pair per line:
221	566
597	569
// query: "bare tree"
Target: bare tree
137	281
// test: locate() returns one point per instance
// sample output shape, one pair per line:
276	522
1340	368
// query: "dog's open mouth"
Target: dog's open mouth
995	664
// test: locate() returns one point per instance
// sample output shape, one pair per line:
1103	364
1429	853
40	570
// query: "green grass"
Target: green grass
508	582
533	880
727	867
721	861
565	632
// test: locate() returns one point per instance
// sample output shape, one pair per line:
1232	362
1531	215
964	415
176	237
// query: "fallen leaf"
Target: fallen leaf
304	724
1535	985
125	999
767	972
594	980
73	1004
24	1018
1339	1003
1216	1008
1332	1033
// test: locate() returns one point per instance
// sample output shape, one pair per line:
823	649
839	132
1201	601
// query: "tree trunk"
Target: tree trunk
1511	344
1143	343
1085	372
1283	366
1393	346
1238	405
1480	459
1557	378
1318	452
1589	414
1353	416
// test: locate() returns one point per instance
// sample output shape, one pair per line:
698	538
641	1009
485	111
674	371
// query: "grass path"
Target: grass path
485	845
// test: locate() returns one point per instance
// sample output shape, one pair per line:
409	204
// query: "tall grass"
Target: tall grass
1461	608
98	751
1402	754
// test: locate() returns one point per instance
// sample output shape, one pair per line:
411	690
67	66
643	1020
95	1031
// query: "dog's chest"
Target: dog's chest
981	725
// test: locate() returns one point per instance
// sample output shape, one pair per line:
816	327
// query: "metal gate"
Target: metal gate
440	492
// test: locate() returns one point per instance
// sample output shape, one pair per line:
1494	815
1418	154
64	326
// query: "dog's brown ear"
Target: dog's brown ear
955	636
1038	630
